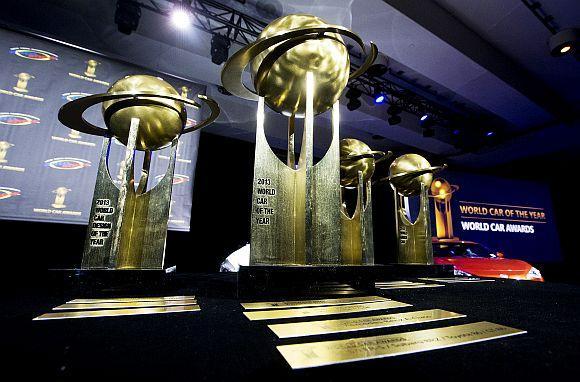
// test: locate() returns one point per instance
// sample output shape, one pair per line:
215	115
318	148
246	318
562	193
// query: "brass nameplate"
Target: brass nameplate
305	303
312	328
322	310
127	299
410	286
458	280
118	305
355	349
117	312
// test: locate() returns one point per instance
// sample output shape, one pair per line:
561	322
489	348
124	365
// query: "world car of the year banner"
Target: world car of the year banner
48	171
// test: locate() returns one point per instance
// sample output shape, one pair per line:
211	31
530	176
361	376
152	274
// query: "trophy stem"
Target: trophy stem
307	151
291	134
144	173
126	179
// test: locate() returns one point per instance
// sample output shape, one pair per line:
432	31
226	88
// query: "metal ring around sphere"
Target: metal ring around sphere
369	154
416	173
71	113
232	72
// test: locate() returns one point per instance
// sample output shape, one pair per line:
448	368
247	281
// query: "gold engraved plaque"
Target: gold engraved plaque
356	349
306	303
117	312
127	299
410	286
117	305
311	328
323	310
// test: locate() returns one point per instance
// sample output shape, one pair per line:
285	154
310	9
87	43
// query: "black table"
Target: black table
219	343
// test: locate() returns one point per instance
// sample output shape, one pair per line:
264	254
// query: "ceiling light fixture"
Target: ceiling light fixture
180	17
220	48
127	15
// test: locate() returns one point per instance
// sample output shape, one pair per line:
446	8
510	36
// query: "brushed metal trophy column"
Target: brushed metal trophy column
128	225
411	175
357	166
300	66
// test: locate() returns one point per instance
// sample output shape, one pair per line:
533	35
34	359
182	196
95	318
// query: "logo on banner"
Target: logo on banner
34	54
60	196
4	146
71	96
177	178
67	163
18	119
8	192
20	90
58	206
90	73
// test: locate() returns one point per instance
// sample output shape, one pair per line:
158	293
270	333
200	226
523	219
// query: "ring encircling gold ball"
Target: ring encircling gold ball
158	124
409	172
284	84
287	49
357	156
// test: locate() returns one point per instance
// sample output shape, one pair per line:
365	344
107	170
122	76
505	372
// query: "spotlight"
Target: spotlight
380	97
490	133
564	42
180	17
394	110
394	120
353	104
127	15
424	117
220	46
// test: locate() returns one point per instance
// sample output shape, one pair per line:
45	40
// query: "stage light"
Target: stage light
456	132
180	18
424	117
220	46
380	98
353	94
394	110
127	15
490	133
564	42
394	120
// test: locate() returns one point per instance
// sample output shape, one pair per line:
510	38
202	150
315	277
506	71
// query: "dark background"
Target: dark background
221	216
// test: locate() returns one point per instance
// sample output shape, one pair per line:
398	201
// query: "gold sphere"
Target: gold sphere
284	87
158	125
408	164
440	188
349	168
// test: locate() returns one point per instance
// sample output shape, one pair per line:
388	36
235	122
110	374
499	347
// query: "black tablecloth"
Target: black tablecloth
219	343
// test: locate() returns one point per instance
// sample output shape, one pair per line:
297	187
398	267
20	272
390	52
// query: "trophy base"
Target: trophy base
327	280
111	282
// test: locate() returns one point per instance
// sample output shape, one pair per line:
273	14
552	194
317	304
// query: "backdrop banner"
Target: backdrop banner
511	216
47	171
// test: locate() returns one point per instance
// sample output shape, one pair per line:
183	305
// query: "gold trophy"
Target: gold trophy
128	224
441	191
22	82
300	66
4	146
411	175
91	68
357	166
59	197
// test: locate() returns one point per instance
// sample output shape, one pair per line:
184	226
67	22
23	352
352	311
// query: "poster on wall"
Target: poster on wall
512	217
48	171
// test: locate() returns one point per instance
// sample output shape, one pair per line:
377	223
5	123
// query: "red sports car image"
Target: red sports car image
473	259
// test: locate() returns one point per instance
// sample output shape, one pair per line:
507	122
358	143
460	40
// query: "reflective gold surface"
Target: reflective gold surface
116	312
357	156
323	353
405	173
327	58
312	328
306	303
159	125
128	299
441	191
133	304
323	310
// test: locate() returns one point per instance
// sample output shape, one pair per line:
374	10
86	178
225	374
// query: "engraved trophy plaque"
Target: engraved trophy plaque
357	166
411	175
300	66
128	224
